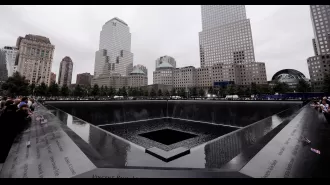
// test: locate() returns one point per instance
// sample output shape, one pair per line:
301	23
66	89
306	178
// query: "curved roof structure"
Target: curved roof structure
164	65
137	71
288	76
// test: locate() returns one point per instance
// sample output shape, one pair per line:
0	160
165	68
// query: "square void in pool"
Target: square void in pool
167	136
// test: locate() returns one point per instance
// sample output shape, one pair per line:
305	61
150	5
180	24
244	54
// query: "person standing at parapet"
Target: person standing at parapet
23	101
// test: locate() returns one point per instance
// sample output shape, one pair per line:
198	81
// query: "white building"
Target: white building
138	77
163	74
319	65
226	36
10	58
185	77
165	59
65	72
35	58
114	54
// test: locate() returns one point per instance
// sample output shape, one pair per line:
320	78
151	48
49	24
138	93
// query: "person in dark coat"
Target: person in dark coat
7	132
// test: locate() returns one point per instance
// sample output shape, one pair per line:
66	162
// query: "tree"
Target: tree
281	87
16	85
41	90
146	93
111	91
31	88
201	92
119	92
210	90
239	90
78	91
194	92
95	90
254	89
130	91
152	92
159	93
167	93
173	92
181	92
65	91
102	91
140	92
326	83
231	89
124	91
303	86
53	89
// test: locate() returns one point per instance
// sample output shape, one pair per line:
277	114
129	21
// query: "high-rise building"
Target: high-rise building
166	59
84	79
65	72
10	59
114	54
226	36
319	65
35	58
138	77
320	15
142	68
52	77
3	66
184	77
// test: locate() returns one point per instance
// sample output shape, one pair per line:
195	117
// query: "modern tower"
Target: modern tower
319	65
114	54
320	15
10	58
84	79
167	60
35	58
226	36
65	73
3	66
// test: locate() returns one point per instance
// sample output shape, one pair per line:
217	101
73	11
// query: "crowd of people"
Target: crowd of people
322	105
15	116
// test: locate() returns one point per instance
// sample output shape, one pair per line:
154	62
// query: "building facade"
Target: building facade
114	55
226	36
185	77
65	72
84	79
3	66
138	77
165	59
239	74
10	59
35	58
319	65
52	77
114	80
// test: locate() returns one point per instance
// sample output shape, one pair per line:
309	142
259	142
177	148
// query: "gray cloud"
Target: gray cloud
281	34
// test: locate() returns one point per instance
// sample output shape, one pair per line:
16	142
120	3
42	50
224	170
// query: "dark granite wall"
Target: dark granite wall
220	112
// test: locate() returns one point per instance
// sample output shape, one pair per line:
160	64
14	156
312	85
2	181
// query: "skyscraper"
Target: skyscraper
320	15
10	58
84	79
166	59
319	65
65	73
114	54
35	58
226	36
3	66
52	77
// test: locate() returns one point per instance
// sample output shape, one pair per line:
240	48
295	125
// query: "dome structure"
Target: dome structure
289	76
165	65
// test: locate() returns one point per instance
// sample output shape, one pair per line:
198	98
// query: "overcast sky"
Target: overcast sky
282	35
